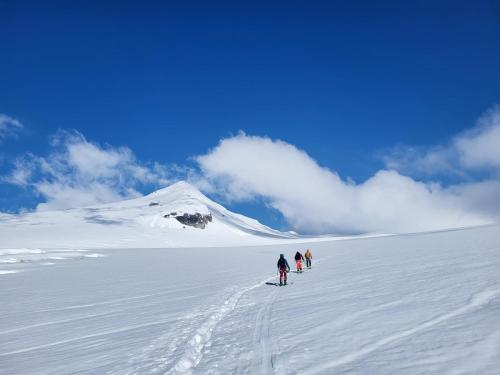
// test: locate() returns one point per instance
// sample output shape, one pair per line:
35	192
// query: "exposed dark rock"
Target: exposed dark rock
154	204
196	220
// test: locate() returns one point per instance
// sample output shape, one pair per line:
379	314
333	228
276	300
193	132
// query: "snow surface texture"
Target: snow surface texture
137	223
412	304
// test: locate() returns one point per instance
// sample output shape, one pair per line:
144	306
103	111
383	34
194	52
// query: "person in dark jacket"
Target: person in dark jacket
298	260
283	268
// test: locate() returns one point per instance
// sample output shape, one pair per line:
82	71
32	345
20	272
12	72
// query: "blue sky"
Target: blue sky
344	83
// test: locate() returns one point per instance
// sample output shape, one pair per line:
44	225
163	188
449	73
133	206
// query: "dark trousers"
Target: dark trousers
308	262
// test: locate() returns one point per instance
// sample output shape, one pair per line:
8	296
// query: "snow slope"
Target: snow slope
136	223
412	304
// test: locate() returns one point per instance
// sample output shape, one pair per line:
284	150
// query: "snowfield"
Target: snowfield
409	304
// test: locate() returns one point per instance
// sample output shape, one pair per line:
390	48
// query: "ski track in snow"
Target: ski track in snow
476	302
194	349
262	337
159	355
196	331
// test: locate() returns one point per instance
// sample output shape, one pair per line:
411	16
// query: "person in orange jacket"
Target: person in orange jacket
309	257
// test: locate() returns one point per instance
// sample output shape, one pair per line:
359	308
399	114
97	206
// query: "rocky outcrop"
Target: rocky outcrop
196	220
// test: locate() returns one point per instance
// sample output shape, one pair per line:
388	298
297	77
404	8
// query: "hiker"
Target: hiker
298	260
283	268
309	257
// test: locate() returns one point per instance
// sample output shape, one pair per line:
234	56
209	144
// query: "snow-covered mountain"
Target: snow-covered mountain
176	216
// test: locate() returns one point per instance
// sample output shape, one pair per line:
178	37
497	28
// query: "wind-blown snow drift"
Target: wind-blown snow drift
149	221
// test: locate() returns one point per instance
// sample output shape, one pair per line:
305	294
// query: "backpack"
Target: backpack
282	263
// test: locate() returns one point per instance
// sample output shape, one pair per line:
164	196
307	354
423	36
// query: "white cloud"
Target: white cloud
9	126
315	199
22	172
475	150
479	148
79	173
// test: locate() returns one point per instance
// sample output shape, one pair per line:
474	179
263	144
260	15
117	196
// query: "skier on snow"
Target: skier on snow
309	257
298	259
283	268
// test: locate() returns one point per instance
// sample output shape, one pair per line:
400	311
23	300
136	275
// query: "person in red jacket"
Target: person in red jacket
298	260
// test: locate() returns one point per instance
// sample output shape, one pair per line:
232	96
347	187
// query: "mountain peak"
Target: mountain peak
178	188
176	216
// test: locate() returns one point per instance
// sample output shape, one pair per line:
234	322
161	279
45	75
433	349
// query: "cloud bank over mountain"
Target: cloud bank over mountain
316	199
412	193
476	150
